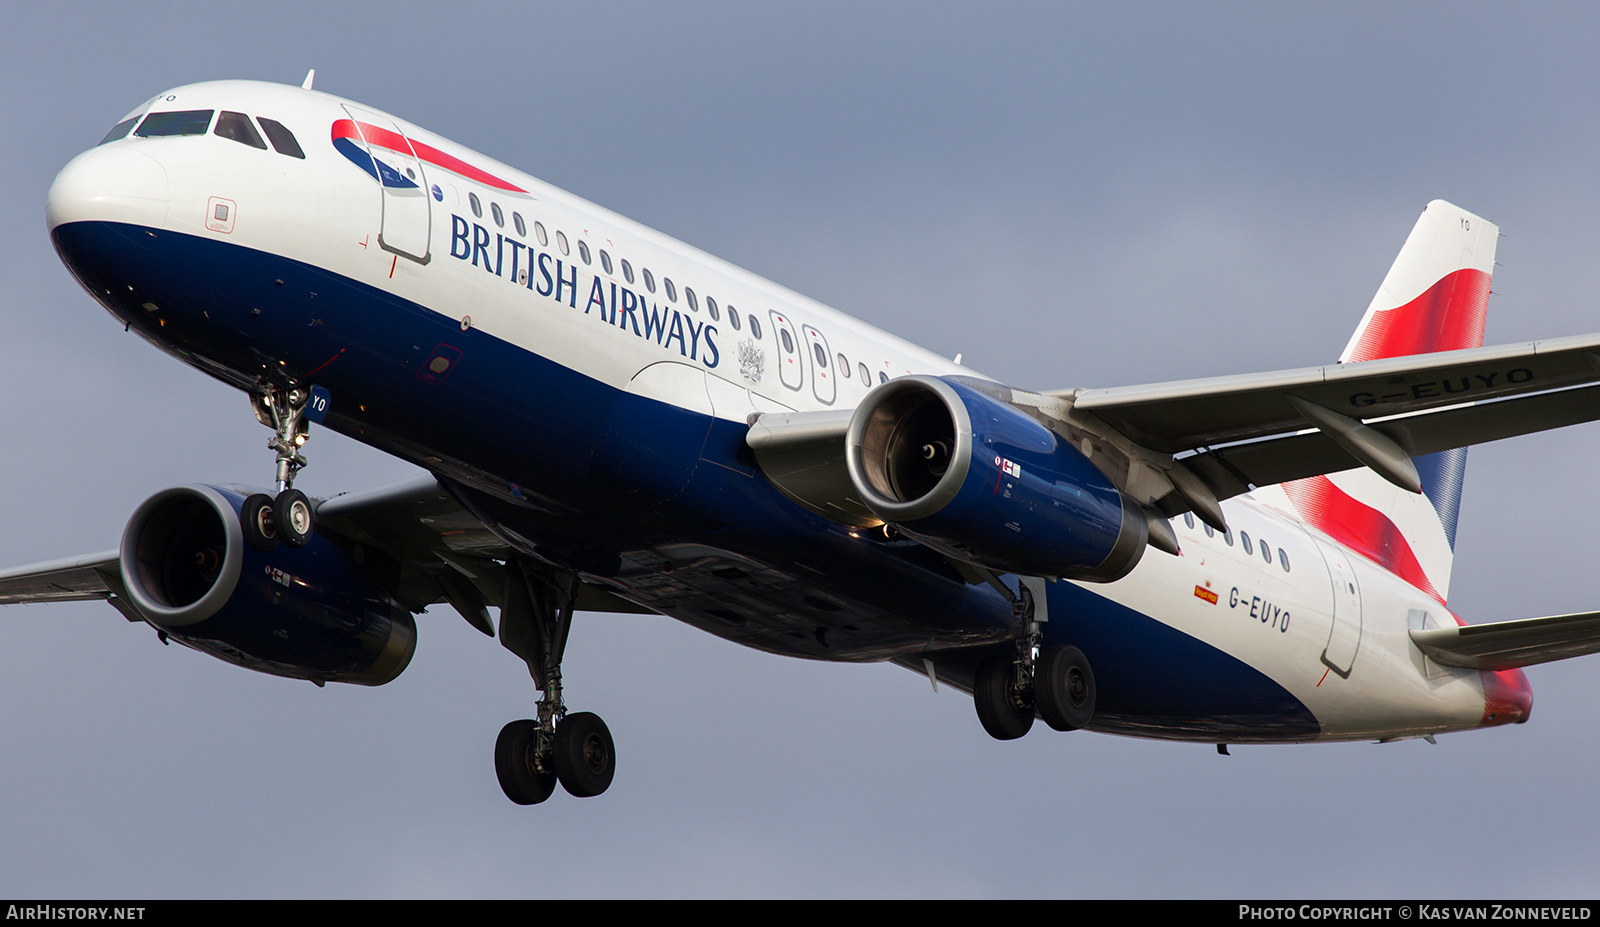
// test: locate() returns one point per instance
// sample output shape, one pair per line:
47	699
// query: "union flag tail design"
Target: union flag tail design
1434	298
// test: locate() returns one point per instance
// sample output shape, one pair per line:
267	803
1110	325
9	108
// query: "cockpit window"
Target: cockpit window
282	139
182	122
237	126
120	130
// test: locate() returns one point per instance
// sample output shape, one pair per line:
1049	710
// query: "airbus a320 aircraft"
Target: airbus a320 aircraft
614	421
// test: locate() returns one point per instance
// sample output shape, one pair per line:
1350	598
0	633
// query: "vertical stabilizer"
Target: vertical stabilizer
1436	295
1434	298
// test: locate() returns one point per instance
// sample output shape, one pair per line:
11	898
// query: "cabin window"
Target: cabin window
120	130
538	231
1188	520
844	367
627	270
821	355
1266	552
882	377
499	217
866	375
183	122
477	207
583	250
649	281
688	294
733	318
1210	531
783	335
711	307
1283	560
1244	541
281	138
522	227
1227	536
755	328
561	242
672	291
605	261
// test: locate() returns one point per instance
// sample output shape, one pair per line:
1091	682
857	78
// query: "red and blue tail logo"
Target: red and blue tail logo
1434	298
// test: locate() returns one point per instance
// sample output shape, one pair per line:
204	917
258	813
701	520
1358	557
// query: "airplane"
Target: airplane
611	420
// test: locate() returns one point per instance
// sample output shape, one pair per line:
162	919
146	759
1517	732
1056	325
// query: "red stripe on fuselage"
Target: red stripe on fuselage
1359	527
1449	316
394	141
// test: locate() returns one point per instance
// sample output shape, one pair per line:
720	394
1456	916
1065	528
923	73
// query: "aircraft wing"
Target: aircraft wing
1508	644
438	551
1188	414
74	579
1265	428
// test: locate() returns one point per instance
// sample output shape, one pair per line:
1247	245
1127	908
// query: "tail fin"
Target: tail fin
1434	298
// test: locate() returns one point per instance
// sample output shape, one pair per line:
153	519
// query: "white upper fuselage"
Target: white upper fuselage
1349	660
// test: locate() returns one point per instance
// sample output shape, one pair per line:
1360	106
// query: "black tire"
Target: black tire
259	522
292	516
1063	688
994	695
514	764
585	758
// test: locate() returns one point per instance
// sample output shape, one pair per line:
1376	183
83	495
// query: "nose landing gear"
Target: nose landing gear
287	517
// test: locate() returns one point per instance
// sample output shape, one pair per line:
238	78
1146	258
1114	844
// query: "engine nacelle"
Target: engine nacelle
980	480
305	613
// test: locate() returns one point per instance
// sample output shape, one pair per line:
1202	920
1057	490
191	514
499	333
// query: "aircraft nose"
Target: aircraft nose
112	183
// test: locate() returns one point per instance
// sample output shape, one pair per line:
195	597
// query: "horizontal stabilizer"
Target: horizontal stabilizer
1509	644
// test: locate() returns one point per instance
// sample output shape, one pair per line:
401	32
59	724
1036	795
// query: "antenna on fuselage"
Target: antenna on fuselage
311	75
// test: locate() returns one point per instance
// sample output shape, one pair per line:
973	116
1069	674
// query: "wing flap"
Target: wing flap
1510	644
1231	470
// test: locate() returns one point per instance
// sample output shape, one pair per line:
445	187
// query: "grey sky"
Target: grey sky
1068	195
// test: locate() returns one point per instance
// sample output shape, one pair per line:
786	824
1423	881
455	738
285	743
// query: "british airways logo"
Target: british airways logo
366	146
608	302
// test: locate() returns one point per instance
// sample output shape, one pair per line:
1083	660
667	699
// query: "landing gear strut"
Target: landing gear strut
576	749
1056	682
288	517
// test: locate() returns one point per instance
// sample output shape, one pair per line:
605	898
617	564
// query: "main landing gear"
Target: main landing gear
1056	682
286	517
530	756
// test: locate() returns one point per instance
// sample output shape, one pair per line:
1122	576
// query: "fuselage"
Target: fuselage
584	385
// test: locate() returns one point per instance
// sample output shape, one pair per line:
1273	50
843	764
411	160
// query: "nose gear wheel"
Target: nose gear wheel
291	518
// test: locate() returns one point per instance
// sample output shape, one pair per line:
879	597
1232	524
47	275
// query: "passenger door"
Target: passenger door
406	208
